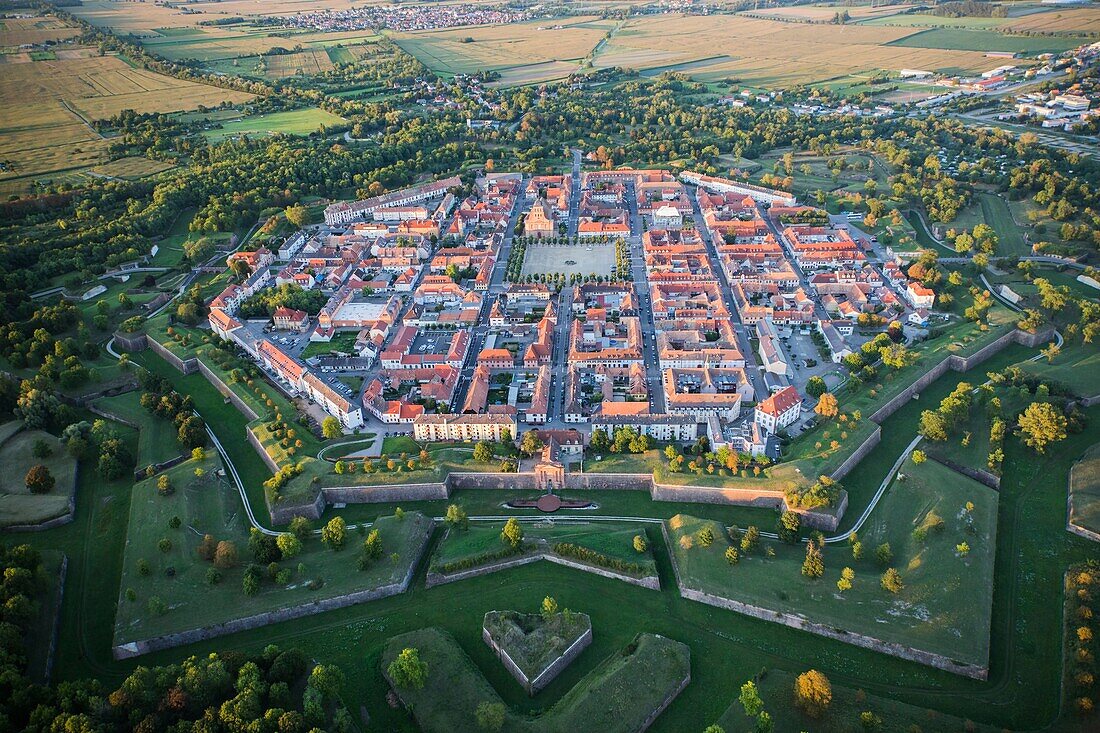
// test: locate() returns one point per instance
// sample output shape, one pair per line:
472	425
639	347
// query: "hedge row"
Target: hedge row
584	554
484	558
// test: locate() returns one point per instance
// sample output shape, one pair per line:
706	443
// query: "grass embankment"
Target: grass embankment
156	436
17	504
174	589
1077	367
1084	491
944	606
616	697
532	640
605	544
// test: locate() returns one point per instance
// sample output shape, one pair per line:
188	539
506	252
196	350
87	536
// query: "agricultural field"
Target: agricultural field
769	52
825	13
616	697
293	122
174	589
130	169
38	29
17	504
300	63
985	41
943	607
519	47
50	134
1084	491
1059	20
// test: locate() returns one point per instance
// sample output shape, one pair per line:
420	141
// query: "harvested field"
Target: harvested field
826	13
499	47
1075	20
20	31
769	52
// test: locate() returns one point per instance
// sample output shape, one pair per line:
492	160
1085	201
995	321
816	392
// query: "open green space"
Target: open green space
1077	367
1010	241
1084	491
611	545
617	696
965	39
292	122
45	622
343	342
944	605
17	504
532	640
156	436
174	589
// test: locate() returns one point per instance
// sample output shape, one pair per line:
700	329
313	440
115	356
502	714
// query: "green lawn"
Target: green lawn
17	504
962	39
157	437
482	540
974	452
944	607
1010	241
1084	491
293	122
178	577
343	342
616	697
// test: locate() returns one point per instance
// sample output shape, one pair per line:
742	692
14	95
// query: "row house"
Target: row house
346	212
491	427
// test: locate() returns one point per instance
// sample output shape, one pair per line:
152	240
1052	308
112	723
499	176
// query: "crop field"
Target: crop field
944	606
1060	20
1084	491
17	504
769	52
39	29
499	47
312	61
185	598
293	122
963	39
826	12
131	168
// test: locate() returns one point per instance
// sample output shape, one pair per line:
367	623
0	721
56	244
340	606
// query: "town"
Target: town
679	307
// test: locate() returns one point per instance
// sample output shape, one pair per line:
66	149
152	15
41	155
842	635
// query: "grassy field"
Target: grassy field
1010	240
294	122
35	30
826	13
1077	367
157	437
617	696
1084	490
17	504
985	41
131	169
770	52
177	595
944	607
613	541
302	63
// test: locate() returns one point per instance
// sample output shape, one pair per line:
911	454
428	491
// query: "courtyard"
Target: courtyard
585	258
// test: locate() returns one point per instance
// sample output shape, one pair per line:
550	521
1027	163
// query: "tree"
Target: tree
483	452
1042	424
330	428
750	700
814	564
549	608
639	543
706	537
164	484
297	215
39	480
816	387
790	526
335	533
891	581
530	444
407	669
827	405
456	517
372	546
847	575
732	555
599	442
512	534
225	555
192	432
813	693
883	554
289	545
918	457
751	539
490	716
933	425
300	527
